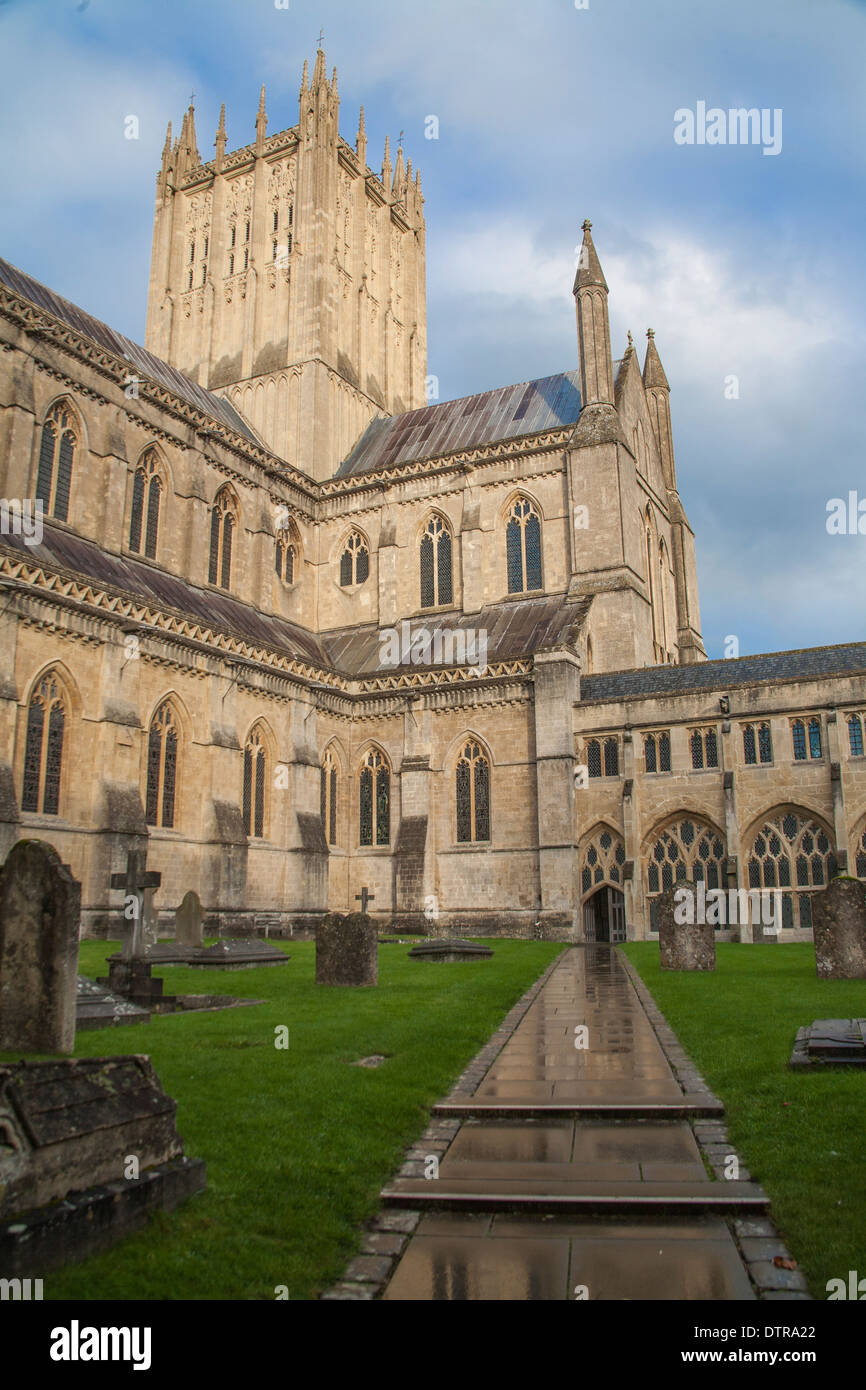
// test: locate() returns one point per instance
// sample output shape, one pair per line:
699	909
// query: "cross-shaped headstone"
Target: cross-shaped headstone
135	882
364	897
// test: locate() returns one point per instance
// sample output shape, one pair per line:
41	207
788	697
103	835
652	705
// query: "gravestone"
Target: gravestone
839	929
130	974
830	1042
347	950
40	908
189	922
445	950
683	945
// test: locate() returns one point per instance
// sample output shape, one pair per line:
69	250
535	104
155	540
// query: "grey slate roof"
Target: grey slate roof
806	664
513	629
505	413
143	362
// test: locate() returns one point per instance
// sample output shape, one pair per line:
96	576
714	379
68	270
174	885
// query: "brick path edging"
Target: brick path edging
757	1239
387	1235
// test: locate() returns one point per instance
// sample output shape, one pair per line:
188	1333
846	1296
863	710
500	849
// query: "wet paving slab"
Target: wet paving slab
534	1203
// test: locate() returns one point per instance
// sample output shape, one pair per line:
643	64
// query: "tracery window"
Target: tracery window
375	800
43	749
601	757
329	797
523	547
284	560
791	850
222	528
705	748
806	739
435	559
161	767
354	561
473	794
603	860
56	457
146	497
255	772
855	735
687	849
757	744
657	752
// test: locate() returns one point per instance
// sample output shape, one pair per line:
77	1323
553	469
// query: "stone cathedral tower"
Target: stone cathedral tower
290	277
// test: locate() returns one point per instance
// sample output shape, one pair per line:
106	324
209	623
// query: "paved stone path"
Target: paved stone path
575	1170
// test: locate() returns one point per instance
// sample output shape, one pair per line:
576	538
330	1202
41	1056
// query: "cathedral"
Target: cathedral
308	637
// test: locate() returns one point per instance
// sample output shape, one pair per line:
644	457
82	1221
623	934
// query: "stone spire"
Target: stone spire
320	77
188	155
220	141
653	371
399	175
593	326
305	79
386	165
261	121
361	141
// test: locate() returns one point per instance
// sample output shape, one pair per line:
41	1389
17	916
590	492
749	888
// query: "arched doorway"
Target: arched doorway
604	915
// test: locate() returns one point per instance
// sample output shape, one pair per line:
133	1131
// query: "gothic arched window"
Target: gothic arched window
436	586
686	849
146	495
861	856
375	800
791	850
284	560
43	750
329	797
523	547
602	860
705	748
255	773
657	752
855	735
56	456
757	744
222	526
354	561
806	735
161	767
473	794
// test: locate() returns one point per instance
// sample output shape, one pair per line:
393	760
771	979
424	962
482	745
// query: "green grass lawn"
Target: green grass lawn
801	1135
297	1143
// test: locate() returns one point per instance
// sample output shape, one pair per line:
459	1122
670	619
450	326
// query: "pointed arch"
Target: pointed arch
681	848
60	446
354	552
473	769
601	858
374	798
259	746
435	559
287	552
225	517
792	849
149	488
49	707
163	763
332	770
523	544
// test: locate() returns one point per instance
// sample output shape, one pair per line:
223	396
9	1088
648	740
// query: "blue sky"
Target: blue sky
745	265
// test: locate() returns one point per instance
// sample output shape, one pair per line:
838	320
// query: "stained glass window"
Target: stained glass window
43	752
162	756
375	800
473	794
222	525
57	447
687	849
354	561
855	736
792	849
435	562
146	484
798	734
815	738
523	547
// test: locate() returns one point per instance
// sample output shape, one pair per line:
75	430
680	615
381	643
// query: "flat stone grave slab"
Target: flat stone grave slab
234	954
98	1007
831	1042
450	951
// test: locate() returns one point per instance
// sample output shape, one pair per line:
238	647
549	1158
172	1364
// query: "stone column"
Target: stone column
557	688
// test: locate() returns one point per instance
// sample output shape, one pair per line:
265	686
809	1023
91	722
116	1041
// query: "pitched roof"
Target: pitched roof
505	413
810	663
144	362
